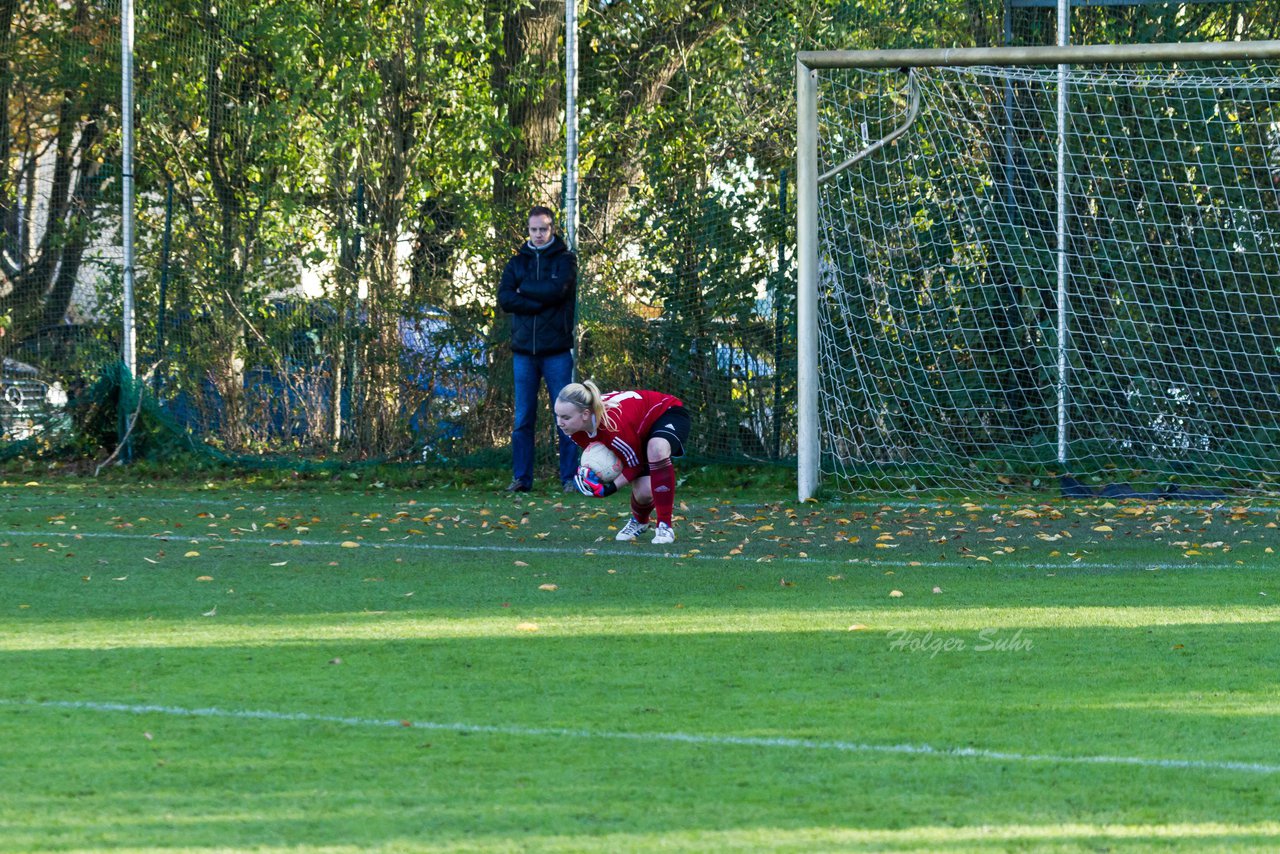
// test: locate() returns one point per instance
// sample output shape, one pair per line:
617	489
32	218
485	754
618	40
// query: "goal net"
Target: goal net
1022	272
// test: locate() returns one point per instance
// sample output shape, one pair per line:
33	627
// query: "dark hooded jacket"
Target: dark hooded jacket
539	289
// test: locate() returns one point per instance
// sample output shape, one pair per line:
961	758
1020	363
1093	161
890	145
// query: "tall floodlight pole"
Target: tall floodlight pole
571	122
571	139
129	338
128	348
1064	38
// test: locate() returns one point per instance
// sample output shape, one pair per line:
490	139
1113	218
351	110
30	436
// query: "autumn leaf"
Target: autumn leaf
548	587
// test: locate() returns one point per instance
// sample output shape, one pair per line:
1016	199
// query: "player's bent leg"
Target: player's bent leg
662	482
665	440
657	449
642	492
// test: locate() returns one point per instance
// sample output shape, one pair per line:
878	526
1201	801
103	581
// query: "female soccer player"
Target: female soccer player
646	429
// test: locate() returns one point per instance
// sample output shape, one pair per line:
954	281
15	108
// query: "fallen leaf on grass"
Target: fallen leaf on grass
192	554
895	594
348	544
526	627
548	587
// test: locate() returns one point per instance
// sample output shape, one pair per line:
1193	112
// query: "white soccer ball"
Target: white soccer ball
603	461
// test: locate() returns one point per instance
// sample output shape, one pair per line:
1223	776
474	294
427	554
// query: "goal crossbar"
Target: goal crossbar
1040	55
809	178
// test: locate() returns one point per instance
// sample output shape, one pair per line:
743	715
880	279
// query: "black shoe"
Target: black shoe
570	487
517	486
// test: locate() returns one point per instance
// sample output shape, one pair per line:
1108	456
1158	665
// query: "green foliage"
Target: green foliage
368	164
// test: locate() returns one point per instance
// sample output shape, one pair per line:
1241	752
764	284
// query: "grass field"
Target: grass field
353	667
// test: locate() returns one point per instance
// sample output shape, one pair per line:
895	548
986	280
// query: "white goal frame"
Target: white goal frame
808	66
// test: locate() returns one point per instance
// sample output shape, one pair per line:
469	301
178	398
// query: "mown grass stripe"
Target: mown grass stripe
655	737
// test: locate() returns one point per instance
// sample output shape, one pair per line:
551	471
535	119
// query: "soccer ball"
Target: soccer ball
600	459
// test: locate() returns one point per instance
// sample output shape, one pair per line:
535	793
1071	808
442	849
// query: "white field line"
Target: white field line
657	737
641	550
1255	504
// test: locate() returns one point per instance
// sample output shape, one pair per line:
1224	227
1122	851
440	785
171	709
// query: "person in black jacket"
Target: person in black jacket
539	290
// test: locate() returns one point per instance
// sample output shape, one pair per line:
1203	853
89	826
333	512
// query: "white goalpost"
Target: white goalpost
1022	265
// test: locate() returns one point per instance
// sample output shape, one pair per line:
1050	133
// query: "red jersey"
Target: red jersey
633	414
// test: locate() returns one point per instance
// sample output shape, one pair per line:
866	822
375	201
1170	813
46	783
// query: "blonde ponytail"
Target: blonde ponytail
585	395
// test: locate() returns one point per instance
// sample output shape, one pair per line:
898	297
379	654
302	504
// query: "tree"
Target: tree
64	91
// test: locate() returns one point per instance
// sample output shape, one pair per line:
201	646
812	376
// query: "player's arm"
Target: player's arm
589	483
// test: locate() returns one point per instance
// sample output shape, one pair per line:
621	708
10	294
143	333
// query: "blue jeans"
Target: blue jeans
557	372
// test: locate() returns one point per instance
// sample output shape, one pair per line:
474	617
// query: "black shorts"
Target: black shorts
673	426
